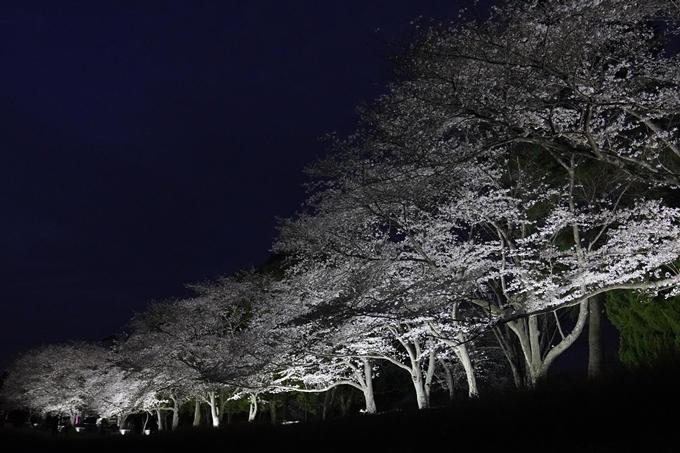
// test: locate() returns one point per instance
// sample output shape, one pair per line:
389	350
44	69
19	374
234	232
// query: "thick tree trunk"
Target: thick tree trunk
421	396
363	376
595	337
214	412
464	357
371	408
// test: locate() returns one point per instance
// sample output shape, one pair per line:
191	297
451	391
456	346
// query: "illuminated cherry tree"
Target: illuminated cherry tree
356	312
57	379
477	167
150	354
217	346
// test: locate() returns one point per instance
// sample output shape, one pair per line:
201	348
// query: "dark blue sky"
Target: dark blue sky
149	144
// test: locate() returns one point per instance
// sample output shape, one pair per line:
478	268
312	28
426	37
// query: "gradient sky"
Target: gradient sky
145	145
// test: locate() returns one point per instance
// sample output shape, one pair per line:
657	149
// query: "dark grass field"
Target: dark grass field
626	412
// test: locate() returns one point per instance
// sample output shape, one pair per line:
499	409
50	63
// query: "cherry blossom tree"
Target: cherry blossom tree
213	347
476	166
518	240
357	313
339	353
149	355
169	347
313	355
57	379
471	170
121	394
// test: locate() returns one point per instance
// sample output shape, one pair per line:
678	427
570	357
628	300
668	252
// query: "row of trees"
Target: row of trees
519	166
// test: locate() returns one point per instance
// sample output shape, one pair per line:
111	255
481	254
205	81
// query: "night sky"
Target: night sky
145	145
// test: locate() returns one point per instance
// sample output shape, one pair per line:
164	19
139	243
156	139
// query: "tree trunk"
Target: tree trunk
513	353
450	380
531	335
364	382
175	418
327	402
464	357
214	410
223	406
368	387
421	395
345	403
272	410
422	385
205	412
284	407
197	413
460	349
414	368
175	413
429	376
252	413
161	421
595	337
